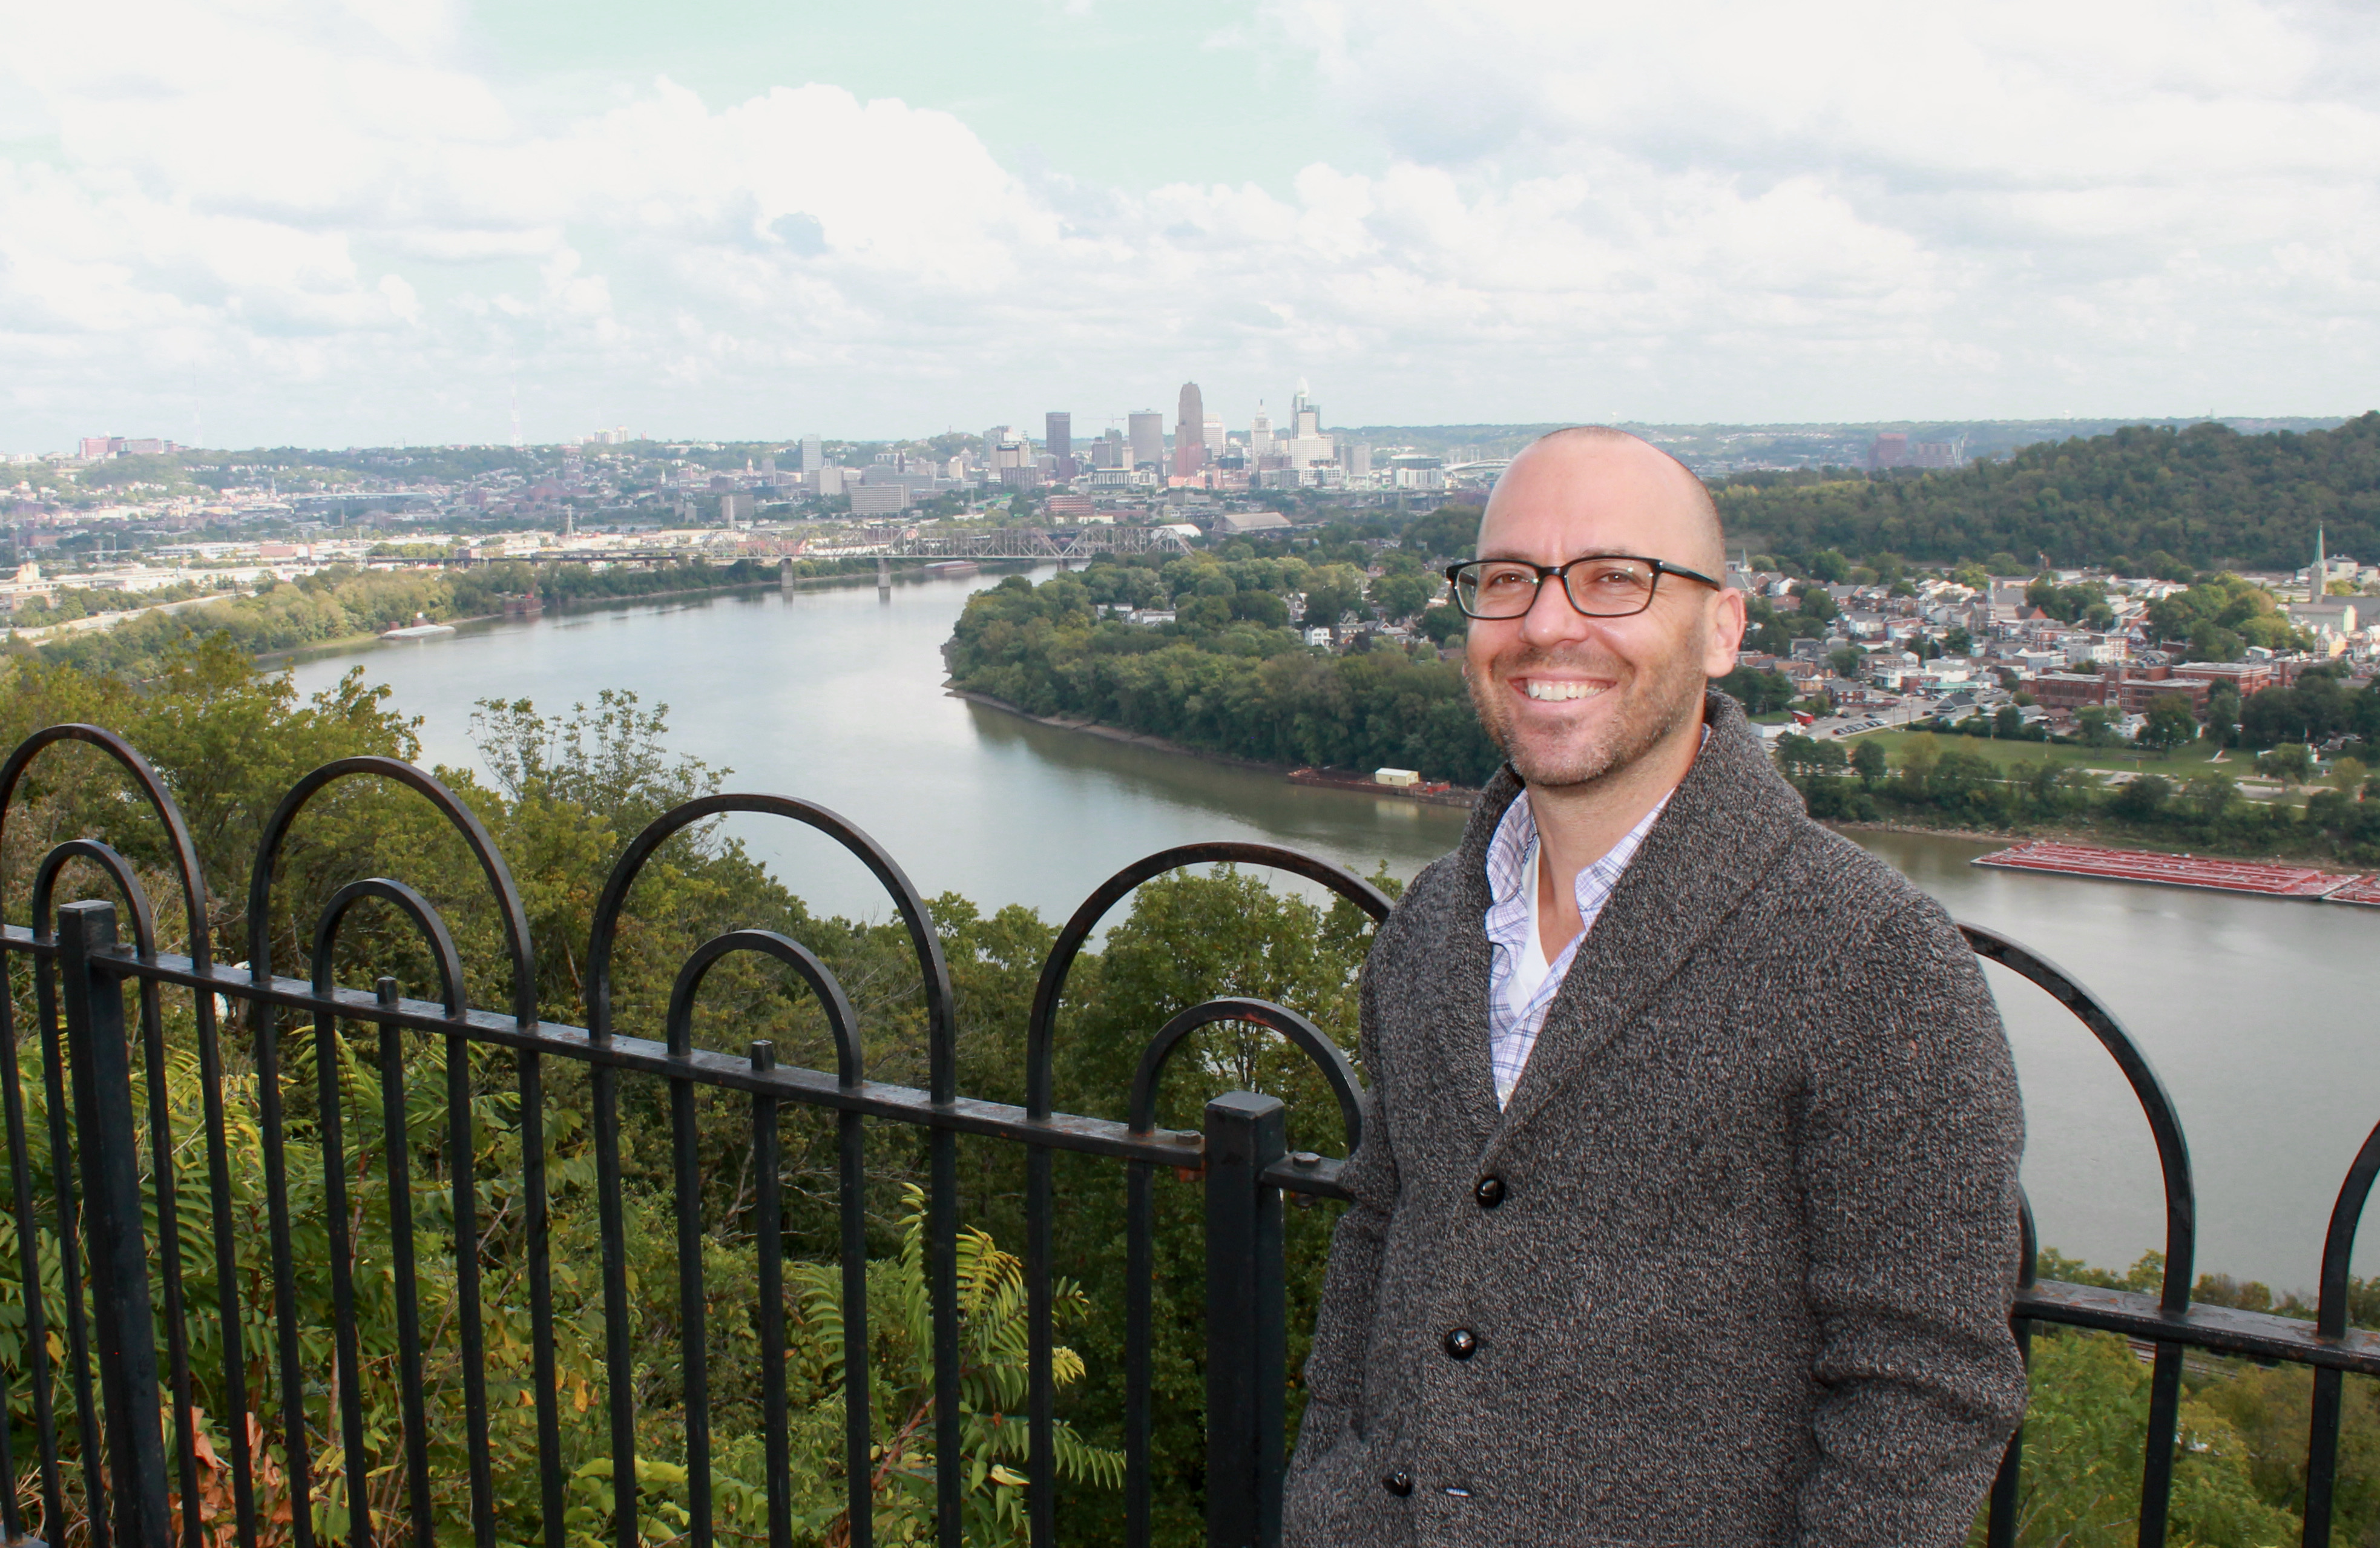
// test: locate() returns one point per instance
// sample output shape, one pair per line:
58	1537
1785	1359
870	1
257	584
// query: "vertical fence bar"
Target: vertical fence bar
2165	1416
1139	1297
536	1227
296	1459
2007	1498
396	1147
29	1244
119	1253
694	1355
769	1251
347	1367
943	1263
227	1277
619	1358
169	1260
2321	1456
860	1487
70	1258
1247	1319
1041	1394
461	1167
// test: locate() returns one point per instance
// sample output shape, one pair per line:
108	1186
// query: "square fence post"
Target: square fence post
1247	1317
123	1320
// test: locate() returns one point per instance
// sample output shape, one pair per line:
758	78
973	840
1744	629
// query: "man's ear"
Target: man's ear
1727	623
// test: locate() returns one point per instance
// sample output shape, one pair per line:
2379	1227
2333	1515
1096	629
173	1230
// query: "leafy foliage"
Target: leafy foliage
2208	495
1222	679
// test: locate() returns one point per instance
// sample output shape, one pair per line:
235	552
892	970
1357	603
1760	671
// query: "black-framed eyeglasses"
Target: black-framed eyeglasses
1601	585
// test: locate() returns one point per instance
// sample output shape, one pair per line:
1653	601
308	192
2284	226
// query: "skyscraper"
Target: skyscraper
1147	437
1215	437
1189	432
1058	435
813	454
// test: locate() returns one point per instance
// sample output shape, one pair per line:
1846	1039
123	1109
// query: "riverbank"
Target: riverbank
1456	796
1112	733
2096	837
845	581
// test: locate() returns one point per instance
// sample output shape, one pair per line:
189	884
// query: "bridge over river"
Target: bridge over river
887	543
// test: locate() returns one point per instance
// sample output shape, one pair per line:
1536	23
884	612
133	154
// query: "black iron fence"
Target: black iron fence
104	1233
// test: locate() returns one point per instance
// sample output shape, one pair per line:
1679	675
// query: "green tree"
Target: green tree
2291	764
2094	725
1846	660
2084	1457
1759	692
1869	762
2167	723
2143	799
1449	532
1401	596
2222	716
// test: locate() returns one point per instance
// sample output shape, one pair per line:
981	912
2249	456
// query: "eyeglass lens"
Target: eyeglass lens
1601	588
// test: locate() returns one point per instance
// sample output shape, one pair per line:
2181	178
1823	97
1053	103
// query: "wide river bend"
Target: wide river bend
2250	1008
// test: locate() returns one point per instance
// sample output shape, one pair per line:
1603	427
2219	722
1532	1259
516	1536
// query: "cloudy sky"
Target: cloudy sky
309	221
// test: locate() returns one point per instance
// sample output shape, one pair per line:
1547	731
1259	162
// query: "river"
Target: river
2248	1007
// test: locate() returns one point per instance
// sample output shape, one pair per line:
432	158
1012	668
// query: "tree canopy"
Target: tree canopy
2165	500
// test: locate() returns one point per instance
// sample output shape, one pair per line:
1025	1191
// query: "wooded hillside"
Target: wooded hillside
2208	496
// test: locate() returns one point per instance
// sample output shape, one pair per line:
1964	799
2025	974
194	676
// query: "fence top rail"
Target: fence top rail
1065	1131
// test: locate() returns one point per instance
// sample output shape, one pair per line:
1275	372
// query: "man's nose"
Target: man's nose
1551	620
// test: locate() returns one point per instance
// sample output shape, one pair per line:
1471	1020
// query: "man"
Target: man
1686	1210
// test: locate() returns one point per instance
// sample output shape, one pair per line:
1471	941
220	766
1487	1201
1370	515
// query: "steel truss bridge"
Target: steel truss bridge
1000	542
1035	542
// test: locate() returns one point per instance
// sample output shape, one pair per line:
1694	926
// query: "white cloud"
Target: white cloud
1701	210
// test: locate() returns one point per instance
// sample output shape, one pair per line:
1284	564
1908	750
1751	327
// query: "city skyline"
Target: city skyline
218	228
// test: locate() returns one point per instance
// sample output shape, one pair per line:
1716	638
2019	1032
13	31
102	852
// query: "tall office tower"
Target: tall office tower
1147	437
1215	438
1189	432
813	454
1058	438
1260	432
1358	458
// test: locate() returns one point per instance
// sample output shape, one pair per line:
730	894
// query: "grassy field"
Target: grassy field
2181	763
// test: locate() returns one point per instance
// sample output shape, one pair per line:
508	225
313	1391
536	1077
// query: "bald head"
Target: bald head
1613	493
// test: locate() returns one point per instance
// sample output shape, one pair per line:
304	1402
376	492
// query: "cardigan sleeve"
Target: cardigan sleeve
1334	1372
1911	1133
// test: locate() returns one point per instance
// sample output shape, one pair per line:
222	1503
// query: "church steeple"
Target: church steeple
2321	587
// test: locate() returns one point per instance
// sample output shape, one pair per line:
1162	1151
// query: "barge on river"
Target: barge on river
1402	783
2262	879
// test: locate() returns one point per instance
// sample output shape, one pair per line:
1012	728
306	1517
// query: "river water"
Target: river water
2251	1010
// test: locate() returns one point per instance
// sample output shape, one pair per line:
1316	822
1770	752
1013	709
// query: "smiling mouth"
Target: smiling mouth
1556	689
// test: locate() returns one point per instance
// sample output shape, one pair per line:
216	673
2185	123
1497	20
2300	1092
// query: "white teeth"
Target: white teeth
1540	689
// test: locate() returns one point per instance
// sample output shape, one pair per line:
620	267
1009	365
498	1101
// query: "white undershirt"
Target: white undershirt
1531	969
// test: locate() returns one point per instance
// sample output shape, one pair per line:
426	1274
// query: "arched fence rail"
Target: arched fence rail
111	1449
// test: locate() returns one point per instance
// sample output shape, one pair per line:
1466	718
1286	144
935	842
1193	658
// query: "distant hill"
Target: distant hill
1717	450
2208	495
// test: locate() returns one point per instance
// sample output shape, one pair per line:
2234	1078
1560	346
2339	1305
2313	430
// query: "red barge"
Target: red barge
2263	878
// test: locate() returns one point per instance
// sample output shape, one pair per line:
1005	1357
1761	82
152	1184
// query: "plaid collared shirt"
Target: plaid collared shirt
1513	1023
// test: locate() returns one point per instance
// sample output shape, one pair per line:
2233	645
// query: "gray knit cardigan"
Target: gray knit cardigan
1733	1268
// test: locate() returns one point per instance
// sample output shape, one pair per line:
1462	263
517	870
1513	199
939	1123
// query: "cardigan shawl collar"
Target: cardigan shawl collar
1726	821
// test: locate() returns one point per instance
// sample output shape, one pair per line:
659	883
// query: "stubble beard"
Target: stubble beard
1652	709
